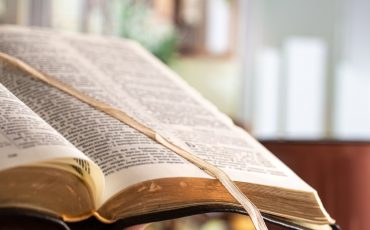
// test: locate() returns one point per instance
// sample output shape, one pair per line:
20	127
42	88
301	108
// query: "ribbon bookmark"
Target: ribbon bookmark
210	169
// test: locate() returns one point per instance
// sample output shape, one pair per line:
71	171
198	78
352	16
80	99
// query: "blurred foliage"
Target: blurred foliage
141	24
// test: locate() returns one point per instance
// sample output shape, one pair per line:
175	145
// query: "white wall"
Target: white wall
352	95
295	102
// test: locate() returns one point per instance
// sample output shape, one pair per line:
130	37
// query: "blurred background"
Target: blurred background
284	70
289	68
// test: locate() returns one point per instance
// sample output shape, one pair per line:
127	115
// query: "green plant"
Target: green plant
140	23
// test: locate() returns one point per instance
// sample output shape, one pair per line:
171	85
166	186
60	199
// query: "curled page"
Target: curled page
123	117
26	139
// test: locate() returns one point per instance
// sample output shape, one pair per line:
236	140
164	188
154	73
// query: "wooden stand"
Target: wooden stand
338	170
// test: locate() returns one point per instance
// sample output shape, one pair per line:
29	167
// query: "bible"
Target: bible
96	126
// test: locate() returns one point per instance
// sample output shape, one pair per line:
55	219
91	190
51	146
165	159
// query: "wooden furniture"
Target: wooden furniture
338	170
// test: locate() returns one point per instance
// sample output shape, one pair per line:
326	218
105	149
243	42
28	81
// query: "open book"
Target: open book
59	154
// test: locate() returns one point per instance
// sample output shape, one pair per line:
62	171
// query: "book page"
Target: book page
124	155
123	75
26	139
165	103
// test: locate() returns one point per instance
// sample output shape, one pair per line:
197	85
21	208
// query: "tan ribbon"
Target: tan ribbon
210	169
